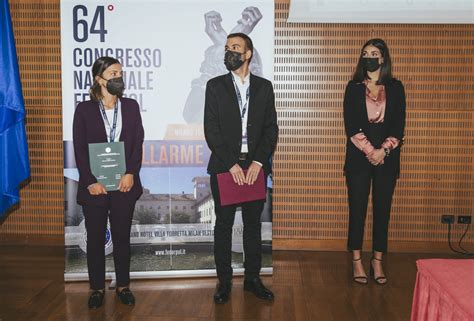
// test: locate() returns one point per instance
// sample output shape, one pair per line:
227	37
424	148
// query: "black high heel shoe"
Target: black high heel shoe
381	280
358	279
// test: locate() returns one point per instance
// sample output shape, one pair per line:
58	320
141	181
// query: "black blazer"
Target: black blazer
223	123
88	127
356	120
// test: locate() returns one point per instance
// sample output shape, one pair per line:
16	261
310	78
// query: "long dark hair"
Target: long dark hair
100	65
385	69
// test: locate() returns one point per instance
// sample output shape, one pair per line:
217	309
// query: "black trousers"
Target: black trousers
252	236
358	185
120	212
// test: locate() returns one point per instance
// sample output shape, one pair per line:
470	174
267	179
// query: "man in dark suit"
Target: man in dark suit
240	125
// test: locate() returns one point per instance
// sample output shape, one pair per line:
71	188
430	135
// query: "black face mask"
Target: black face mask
115	86
370	64
233	60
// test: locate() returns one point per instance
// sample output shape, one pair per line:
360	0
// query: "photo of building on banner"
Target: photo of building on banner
166	67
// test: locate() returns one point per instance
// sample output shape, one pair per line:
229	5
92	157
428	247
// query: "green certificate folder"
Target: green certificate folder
107	161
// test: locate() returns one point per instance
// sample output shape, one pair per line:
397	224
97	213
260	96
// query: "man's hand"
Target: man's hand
97	189
237	174
126	183
376	157
214	28
252	173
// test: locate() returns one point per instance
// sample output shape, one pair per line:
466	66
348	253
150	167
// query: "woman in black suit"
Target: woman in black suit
108	117
374	118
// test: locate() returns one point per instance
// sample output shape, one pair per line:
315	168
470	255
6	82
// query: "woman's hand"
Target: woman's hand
97	189
376	157
126	183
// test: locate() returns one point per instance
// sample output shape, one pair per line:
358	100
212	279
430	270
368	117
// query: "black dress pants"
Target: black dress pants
120	212
358	185
252	238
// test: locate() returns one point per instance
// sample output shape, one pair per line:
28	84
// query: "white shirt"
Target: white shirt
242	87
110	118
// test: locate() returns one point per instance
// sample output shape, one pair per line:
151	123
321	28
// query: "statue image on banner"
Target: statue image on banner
172	230
213	65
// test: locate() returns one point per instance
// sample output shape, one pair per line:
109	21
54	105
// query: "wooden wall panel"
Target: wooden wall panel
313	62
37	34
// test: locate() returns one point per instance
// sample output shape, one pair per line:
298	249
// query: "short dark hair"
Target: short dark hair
386	76
98	68
248	41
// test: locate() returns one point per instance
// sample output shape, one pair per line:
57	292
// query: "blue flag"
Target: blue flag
14	163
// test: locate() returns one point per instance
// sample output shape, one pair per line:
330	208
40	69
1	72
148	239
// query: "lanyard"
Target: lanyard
114	124
243	109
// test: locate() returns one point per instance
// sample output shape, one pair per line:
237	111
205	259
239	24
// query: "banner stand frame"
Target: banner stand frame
177	274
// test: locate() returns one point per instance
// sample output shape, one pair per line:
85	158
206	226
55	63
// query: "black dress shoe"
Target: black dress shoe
256	286
96	299
222	292
126	296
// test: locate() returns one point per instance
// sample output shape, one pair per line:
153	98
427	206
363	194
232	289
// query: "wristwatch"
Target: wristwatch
387	151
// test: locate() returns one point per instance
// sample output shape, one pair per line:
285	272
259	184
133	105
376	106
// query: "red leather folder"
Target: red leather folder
233	193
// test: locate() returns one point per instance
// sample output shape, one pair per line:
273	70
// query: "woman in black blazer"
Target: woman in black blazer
374	119
108	117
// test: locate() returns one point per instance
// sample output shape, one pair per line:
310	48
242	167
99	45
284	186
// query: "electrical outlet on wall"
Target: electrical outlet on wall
464	219
447	219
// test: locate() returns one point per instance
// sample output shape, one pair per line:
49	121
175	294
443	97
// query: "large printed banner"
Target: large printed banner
168	50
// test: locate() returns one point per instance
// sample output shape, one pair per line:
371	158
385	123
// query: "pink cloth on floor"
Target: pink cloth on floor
444	290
